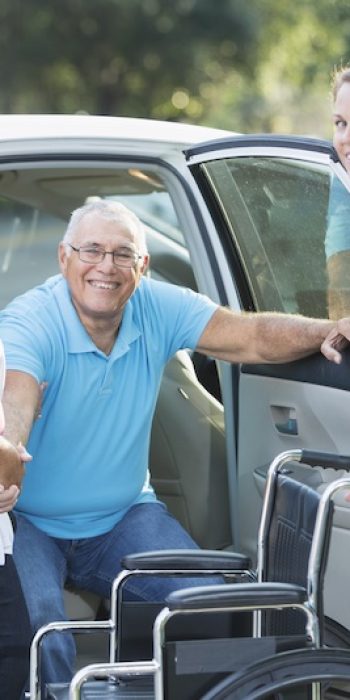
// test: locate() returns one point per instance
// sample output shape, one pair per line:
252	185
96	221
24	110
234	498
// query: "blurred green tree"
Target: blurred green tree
127	57
300	43
262	65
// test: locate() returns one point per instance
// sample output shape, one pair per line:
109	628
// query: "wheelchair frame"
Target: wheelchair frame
225	598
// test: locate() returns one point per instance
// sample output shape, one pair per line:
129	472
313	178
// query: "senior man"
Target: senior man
100	335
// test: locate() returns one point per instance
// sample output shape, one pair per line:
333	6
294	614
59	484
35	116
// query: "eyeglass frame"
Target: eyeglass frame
103	253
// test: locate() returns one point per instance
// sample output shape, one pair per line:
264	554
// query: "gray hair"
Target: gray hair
111	211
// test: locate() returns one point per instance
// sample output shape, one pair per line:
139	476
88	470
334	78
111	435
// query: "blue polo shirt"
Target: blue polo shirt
90	448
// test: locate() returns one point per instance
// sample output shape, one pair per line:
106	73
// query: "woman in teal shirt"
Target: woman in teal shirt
337	242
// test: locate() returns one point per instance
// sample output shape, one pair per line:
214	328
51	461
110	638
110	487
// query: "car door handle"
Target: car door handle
289	427
285	420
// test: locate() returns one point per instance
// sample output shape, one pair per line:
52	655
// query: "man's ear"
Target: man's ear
144	264
62	258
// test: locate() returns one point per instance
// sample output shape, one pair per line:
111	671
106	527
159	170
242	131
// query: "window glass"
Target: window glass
280	213
28	247
156	211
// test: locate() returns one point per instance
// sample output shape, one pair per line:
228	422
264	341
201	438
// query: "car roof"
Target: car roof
24	128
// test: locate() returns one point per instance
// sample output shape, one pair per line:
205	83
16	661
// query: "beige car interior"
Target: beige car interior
187	454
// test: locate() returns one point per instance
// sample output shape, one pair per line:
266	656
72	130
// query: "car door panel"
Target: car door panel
322	414
269	198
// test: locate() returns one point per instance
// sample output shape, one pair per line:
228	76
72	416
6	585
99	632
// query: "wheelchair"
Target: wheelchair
264	614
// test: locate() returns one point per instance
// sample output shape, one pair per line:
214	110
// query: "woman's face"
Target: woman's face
341	122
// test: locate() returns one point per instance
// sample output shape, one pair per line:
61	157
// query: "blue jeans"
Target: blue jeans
45	563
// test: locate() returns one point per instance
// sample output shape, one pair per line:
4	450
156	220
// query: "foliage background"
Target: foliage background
256	65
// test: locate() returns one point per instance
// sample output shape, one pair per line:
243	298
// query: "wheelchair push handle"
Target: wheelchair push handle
325	459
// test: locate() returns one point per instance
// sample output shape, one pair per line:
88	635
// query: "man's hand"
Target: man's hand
336	341
12	461
8	498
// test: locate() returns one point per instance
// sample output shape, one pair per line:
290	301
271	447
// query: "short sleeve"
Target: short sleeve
177	315
25	338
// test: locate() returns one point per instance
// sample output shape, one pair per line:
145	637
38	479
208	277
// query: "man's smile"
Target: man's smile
100	284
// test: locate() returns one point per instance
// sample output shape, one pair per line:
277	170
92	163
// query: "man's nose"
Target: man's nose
107	262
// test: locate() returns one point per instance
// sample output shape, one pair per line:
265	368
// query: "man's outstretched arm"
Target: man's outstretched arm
271	337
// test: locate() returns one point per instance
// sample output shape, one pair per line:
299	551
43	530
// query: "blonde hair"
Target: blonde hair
340	76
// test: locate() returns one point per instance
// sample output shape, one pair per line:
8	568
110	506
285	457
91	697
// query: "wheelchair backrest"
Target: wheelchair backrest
287	548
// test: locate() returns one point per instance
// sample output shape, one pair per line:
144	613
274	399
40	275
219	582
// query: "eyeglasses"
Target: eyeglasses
93	255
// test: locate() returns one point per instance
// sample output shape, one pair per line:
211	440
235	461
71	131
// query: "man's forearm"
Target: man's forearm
18	423
20	400
262	337
284	338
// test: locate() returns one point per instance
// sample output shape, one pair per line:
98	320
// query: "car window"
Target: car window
35	205
278	212
28	247
156	210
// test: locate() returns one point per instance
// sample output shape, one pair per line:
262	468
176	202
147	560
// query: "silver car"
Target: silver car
242	219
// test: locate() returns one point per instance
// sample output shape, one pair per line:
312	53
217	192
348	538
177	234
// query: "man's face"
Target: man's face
100	291
341	121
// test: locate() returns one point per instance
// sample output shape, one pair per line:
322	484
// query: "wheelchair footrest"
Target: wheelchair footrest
133	689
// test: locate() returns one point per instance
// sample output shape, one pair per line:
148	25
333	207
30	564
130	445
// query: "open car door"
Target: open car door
279	205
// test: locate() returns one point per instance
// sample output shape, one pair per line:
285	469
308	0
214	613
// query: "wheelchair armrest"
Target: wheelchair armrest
183	559
236	595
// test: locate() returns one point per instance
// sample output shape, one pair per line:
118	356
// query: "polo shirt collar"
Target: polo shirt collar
78	340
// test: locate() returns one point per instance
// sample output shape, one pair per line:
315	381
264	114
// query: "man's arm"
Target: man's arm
22	396
266	337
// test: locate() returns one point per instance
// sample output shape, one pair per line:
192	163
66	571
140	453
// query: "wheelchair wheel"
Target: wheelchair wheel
286	671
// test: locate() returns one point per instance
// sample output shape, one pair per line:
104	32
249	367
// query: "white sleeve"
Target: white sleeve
6	537
2	368
2	382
